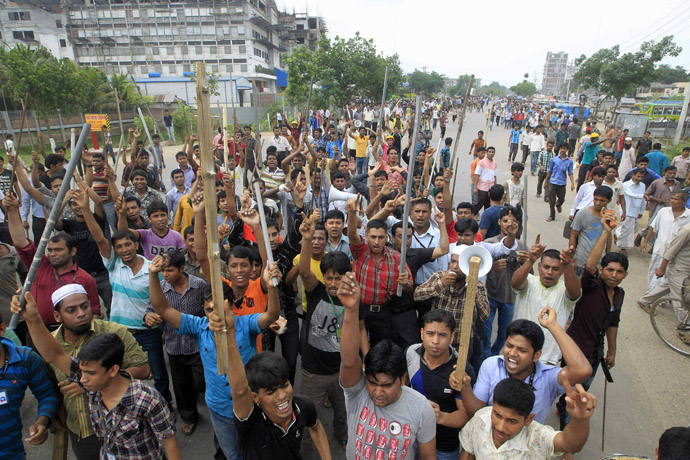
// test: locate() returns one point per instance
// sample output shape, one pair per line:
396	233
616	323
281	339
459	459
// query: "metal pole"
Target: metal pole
257	143
75	158
683	116
437	155
408	187
264	229
119	115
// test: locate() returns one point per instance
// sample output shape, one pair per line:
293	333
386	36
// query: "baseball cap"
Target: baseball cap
593	135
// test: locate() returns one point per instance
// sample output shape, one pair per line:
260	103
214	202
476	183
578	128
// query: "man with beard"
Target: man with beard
77	328
57	267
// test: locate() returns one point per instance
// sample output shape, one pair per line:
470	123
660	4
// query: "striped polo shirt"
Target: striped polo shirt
22	368
515	136
130	292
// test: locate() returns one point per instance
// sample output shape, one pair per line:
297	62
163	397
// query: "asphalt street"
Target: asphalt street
650	390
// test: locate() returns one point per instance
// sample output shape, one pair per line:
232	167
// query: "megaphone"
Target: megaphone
336	195
466	253
358	124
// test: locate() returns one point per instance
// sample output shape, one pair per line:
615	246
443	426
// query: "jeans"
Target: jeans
171	133
361	165
105	290
505	316
187	372
151	341
563	414
512	153
110	215
226	432
535	157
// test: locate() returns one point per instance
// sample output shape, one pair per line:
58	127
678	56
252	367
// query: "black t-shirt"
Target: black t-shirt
260	439
150	176
320	337
88	256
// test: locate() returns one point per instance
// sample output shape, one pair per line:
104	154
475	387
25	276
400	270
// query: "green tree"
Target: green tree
460	87
666	74
426	83
525	89
302	66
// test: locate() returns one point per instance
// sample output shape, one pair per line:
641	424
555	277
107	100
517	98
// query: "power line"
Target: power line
663	26
645	29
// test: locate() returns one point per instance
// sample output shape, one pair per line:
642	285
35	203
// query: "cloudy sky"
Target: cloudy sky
501	39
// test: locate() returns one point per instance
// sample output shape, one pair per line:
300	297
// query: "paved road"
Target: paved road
650	392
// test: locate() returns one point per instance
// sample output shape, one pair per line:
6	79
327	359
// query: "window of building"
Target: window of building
172	70
19	15
300	40
171	51
143	70
199	50
184	49
187	67
243	49
155	50
63	43
243	68
312	23
58	23
213	49
228	68
228	50
23	34
300	26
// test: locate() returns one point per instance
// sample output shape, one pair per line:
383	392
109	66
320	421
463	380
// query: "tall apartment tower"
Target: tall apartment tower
555	72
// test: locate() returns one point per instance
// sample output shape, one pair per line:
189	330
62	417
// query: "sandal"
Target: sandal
188	428
550	219
644	307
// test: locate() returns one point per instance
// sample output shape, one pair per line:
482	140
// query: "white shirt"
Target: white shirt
537	143
281	143
665	227
530	301
429	239
634	198
584	198
533	442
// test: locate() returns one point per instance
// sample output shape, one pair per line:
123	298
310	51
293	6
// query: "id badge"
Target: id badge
3	398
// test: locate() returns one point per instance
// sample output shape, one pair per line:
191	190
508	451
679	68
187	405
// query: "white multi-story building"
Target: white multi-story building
164	39
555	73
35	24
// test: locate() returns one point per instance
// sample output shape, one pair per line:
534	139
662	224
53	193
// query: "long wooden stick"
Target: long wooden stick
383	108
603	420
75	159
461	122
467	316
19	140
264	228
203	100
408	188
119	115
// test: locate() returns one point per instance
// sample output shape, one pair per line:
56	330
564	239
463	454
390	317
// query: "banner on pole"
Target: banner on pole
97	120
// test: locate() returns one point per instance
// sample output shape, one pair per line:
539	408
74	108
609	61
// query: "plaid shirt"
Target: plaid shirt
319	200
191	301
378	280
545	159
452	299
134	428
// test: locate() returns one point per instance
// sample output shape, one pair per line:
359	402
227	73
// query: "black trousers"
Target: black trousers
85	448
377	321
540	182
556	192
289	341
37	226
571	146
483	201
582	175
512	153
187	372
525	153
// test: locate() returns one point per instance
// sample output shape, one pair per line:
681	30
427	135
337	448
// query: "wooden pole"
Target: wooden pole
461	122
382	115
203	101
467	316
603	420
60	444
224	124
408	188
257	142
19	141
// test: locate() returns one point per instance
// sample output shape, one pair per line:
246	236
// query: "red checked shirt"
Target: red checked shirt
48	281
378	279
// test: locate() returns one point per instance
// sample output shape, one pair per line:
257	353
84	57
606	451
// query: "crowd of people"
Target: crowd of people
123	292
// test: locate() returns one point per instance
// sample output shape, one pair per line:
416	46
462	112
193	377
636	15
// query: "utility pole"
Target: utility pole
683	116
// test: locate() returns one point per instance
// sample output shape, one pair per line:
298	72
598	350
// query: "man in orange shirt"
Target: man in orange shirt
481	152
478	143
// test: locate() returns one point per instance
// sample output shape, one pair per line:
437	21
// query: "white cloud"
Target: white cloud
500	40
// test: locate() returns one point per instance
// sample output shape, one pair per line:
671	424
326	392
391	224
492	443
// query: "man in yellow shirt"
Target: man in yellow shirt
361	140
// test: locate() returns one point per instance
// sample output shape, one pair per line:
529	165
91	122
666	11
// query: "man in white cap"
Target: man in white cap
131	420
78	327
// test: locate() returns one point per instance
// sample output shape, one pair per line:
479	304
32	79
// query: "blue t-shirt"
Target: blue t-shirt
489	221
217	386
657	161
544	381
560	170
445	156
590	153
515	136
